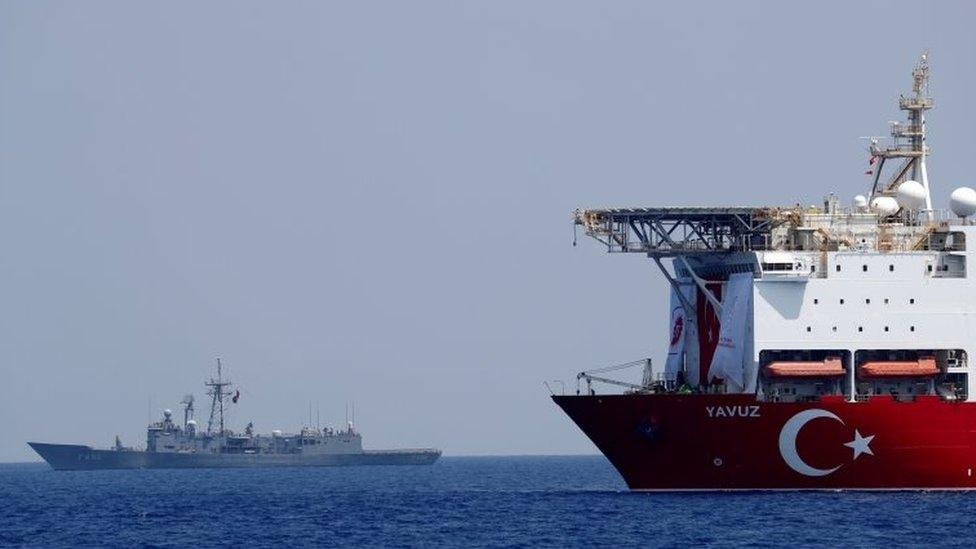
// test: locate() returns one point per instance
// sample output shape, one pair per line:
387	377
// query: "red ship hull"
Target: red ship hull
735	442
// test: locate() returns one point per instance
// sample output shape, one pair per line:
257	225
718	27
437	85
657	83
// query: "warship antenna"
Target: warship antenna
187	409
217	392
908	140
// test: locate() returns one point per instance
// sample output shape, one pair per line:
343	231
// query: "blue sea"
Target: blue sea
460	501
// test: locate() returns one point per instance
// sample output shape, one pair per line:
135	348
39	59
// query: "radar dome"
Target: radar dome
860	203
911	195
167	412
884	205
962	201
192	422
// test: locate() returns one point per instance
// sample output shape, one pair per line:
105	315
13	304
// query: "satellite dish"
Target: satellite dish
911	195
884	206
962	201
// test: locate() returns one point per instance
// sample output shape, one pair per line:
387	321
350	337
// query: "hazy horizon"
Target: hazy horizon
370	202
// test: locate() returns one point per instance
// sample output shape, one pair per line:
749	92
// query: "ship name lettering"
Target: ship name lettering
732	411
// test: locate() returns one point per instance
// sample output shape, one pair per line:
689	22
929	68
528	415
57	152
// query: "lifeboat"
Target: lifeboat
924	366
830	366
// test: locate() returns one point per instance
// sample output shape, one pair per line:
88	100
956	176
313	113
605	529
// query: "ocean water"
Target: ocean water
460	501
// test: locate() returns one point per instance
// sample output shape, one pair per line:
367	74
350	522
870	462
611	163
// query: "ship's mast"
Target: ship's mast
217	392
187	409
908	139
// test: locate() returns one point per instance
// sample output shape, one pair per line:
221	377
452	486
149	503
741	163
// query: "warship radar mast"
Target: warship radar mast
216	389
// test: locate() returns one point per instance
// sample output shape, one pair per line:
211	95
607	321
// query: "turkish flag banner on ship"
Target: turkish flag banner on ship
728	360
707	325
677	334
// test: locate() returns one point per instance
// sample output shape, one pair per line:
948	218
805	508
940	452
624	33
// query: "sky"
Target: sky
370	202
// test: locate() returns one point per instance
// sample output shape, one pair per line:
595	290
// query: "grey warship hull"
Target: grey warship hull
76	457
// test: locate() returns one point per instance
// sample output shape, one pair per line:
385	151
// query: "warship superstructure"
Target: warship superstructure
170	444
808	347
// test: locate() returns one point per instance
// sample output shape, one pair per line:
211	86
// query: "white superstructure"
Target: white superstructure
802	302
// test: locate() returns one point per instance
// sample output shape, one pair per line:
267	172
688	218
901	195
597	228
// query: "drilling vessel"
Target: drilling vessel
820	347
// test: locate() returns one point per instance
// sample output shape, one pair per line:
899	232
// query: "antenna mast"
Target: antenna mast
217	392
187	409
908	139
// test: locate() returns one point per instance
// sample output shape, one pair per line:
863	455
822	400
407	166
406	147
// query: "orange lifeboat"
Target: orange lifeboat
924	366
830	366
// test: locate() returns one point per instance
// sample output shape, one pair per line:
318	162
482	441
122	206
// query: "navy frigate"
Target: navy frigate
170	444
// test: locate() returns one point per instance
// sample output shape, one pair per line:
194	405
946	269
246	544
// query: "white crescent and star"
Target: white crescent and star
860	444
787	442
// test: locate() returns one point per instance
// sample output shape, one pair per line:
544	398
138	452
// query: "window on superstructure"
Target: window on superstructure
886	301
930	268
864	268
834	329
815	301
841	301
891	268
911	329
808	328
886	328
867	301
838	268
860	328
911	301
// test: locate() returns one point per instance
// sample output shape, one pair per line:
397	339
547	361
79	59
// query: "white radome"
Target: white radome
884	205
911	195
962	201
860	203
